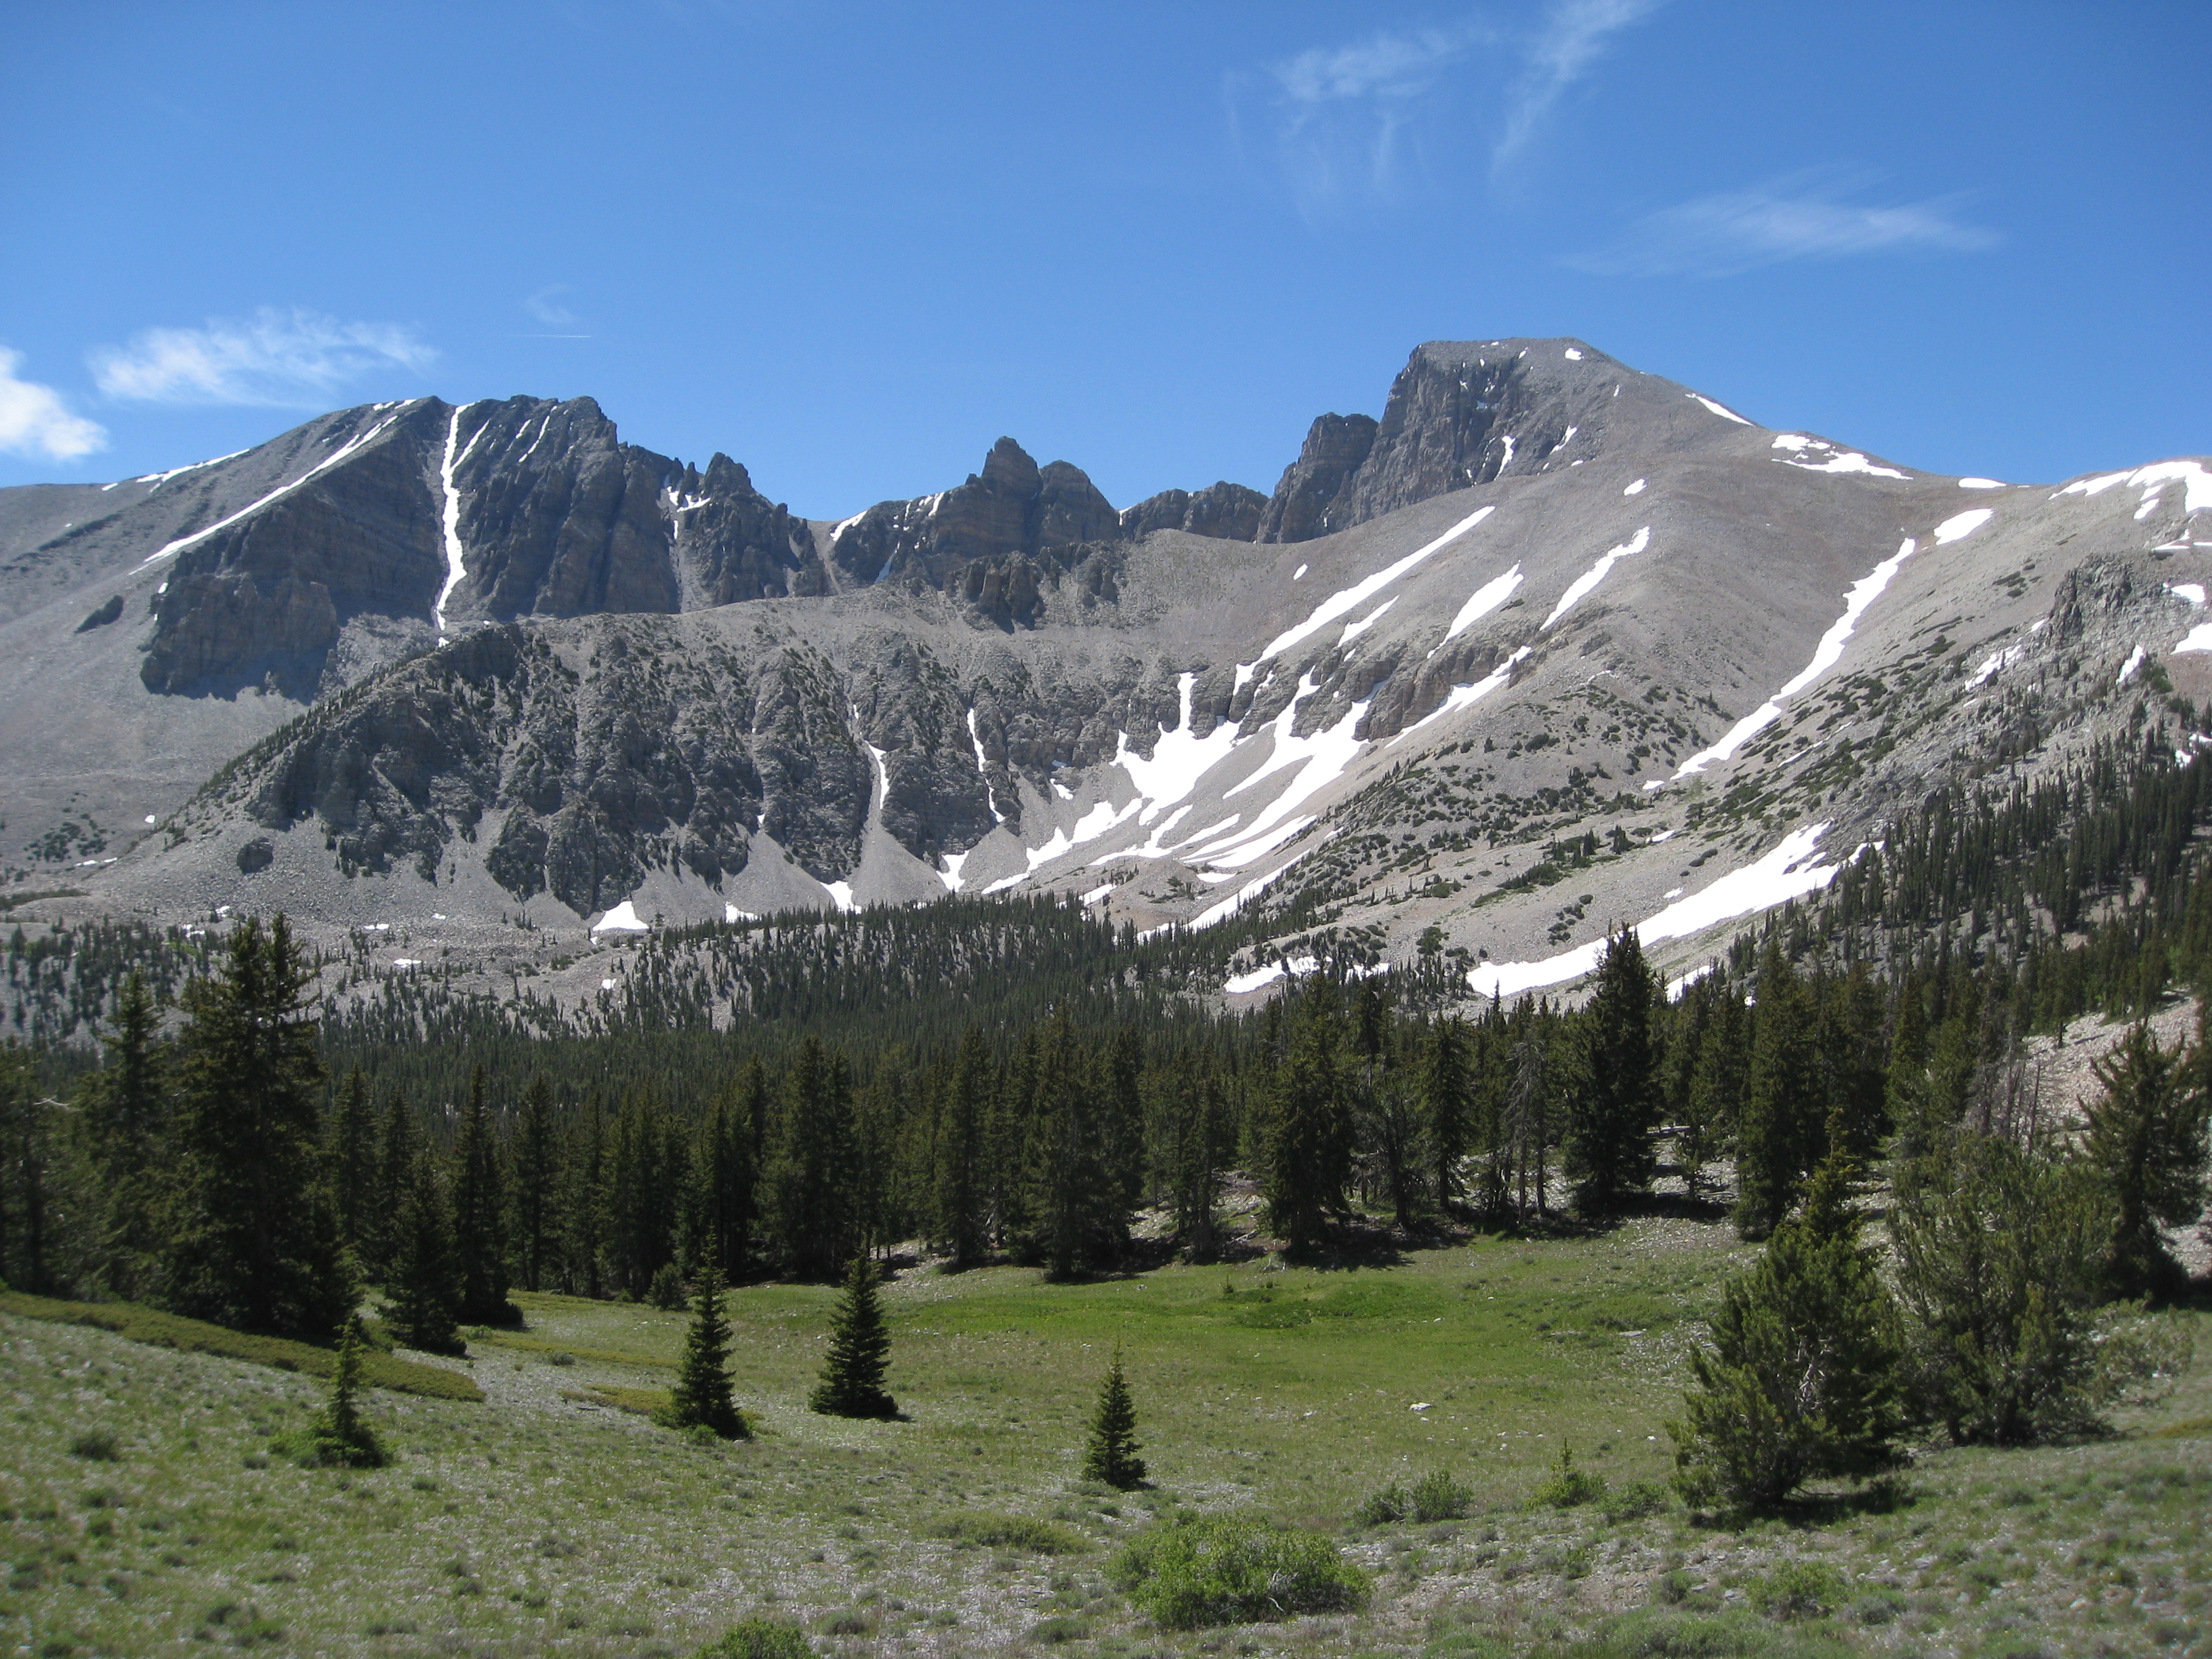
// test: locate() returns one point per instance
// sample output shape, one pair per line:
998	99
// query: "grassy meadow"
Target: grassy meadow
145	1511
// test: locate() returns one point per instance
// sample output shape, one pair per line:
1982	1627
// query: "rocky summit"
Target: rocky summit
1552	644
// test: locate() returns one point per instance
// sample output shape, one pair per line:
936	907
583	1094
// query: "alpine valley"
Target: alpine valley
1553	645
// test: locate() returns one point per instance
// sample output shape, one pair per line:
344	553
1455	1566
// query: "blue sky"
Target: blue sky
852	245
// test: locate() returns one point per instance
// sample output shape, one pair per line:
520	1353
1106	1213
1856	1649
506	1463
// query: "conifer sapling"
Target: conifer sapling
702	1396
859	1348
1111	1455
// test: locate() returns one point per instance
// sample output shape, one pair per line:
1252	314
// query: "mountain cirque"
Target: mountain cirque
447	668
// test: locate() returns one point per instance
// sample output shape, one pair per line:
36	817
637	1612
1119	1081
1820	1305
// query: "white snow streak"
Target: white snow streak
1350	598
2191	474
2192	591
1787	873
1179	758
1725	413
157	479
330	460
1635	488
1982	484
1964	524
456	560
1464	696
623	918
1485	600
950	875
2128	668
1864	592
1352	630
1591	577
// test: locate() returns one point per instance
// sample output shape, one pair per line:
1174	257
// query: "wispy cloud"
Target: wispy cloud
1344	117
1803	216
273	357
542	306
1572	36
34	421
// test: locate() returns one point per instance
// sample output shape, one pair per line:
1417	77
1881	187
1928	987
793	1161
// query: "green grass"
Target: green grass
166	1330
549	1519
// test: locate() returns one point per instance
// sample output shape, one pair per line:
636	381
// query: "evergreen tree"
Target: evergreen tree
537	1186
1783	1116
1803	1374
584	1204
1110	1455
480	1216
1528	1115
27	1252
961	1188
423	1288
395	1174
1614	1100
1446	1106
1715	1101
2145	1137
338	1438
1199	1141
860	1350
1079	1225
254	1240
726	1179
1309	1127
702	1395
810	1176
352	1156
125	1109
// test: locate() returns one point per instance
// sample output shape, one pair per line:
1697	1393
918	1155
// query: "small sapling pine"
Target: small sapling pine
1111	1455
859	1349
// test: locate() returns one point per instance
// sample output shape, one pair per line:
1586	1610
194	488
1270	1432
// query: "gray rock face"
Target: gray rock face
1226	512
1305	501
1012	508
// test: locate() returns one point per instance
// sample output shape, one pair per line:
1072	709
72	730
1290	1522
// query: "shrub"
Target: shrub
98	1446
1063	1627
759	1638
666	1291
1636	1500
1435	1497
1565	1485
1798	1589
1232	1570
1012	1532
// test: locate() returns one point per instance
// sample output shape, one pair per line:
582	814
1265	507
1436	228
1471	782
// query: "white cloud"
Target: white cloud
1345	117
1799	217
1574	33
542	306
34	421
274	357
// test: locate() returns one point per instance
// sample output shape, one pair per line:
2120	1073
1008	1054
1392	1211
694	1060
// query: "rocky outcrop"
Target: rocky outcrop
1225	511
1013	507
1305	501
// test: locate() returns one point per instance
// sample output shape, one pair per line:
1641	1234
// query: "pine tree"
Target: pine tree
810	1180
1110	1454
1073	1189
338	1438
726	1179
395	1173
480	1216
352	1156
859	1350
253	1242
2147	1139
1527	1127
1614	1099
1309	1131
961	1193
1446	1106
423	1289
1802	1376
584	1227
702	1396
1778	1136
126	1124
536	1183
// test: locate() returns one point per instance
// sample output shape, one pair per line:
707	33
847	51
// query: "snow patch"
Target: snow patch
1350	598
1485	600
1097	893
1352	630
1981	483
2192	591
329	460
1725	413
450	522
1591	577
1573	356
1958	528
732	916
840	893
2198	638
2128	668
1635	488
1826	655
950	875
2191	474
1300	573
1790	870
1237	985
1464	696
623	918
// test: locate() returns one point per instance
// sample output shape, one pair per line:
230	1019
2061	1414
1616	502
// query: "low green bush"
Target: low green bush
1798	1589
1637	1499
1667	1634
98	1446
1235	1569
1435	1497
1565	1485
1012	1532
759	1638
